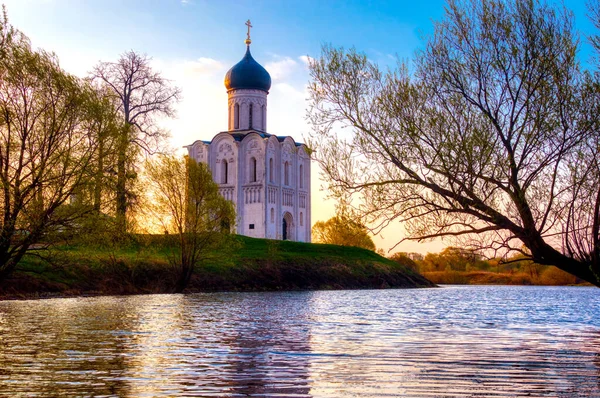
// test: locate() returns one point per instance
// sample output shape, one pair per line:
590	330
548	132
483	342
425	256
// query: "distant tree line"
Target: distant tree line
459	265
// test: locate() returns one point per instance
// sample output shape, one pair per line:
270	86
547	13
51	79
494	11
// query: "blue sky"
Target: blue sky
194	28
194	42
200	28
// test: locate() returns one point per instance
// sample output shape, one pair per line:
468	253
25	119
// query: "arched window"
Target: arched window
286	173
236	116
225	171
252	169
271	179
301	177
301	219
250	116
264	118
272	215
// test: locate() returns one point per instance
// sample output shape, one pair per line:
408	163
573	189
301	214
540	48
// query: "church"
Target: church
266	176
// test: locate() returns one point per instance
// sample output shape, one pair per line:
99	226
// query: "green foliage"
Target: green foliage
186	201
341	230
46	146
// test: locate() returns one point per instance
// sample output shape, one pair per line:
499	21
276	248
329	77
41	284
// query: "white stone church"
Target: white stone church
266	176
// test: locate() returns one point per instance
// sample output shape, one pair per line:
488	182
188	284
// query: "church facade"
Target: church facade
266	176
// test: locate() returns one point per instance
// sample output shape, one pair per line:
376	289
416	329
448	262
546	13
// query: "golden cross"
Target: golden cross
249	25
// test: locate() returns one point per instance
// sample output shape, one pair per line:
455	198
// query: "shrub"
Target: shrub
555	277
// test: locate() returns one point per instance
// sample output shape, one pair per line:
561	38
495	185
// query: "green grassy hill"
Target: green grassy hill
144	265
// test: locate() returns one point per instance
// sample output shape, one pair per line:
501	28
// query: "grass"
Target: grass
144	264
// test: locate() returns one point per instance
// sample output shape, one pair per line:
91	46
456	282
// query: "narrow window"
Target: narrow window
251	226
264	117
271	170
250	116
301	217
301	177
286	173
225	171
236	116
272	215
252	169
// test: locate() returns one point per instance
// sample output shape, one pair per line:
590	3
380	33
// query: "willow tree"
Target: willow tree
45	147
186	202
491	138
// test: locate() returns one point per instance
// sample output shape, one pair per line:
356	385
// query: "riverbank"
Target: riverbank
550	276
145	265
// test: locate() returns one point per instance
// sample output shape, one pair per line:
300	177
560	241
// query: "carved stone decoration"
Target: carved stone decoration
253	144
286	151
224	148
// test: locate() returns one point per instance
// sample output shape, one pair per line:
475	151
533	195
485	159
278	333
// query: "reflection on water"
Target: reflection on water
455	341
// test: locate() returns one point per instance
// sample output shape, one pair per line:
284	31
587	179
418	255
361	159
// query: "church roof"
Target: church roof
248	74
239	135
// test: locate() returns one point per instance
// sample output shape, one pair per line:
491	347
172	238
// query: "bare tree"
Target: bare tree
45	149
143	95
492	140
187	203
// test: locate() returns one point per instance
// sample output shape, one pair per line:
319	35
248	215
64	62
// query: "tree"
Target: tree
403	259
340	230
105	125
187	202
45	148
453	258
491	140
143	95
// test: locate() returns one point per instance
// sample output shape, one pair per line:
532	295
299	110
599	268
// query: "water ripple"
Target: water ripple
450	342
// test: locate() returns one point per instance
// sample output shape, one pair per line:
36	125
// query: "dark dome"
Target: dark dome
248	74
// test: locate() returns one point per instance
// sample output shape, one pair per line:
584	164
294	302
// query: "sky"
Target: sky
195	42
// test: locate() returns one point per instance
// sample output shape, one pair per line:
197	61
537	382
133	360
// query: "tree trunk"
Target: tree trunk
184	278
122	183
187	265
542	253
98	183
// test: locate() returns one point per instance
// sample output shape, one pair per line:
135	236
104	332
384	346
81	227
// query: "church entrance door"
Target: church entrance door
286	230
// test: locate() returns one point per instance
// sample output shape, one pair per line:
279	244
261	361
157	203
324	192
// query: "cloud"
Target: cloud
202	66
306	60
289	92
279	70
186	2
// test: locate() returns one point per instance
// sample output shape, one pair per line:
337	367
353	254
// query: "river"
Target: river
446	342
